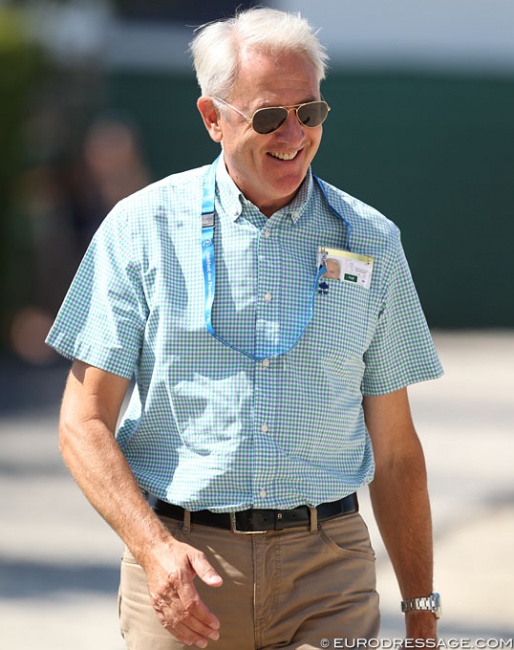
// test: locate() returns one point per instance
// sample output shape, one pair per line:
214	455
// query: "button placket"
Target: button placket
268	310
266	318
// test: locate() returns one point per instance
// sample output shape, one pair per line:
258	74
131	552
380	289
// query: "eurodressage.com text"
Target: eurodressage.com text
397	644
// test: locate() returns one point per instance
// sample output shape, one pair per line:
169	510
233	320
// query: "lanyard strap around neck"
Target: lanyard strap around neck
209	260
208	257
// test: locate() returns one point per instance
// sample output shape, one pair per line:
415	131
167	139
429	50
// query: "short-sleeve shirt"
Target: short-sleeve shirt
209	427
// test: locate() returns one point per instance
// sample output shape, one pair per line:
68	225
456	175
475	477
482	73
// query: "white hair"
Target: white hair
217	46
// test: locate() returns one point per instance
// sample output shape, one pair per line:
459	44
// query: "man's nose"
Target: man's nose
292	127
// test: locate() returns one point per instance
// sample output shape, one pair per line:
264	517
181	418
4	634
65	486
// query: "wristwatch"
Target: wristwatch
430	603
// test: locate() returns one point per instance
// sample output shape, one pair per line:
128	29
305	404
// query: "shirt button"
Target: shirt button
266	363
264	428
262	493
267	297
267	233
295	214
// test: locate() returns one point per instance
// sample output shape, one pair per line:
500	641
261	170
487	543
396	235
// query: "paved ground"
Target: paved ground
65	595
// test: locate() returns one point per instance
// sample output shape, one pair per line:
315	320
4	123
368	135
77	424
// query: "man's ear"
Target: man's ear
210	117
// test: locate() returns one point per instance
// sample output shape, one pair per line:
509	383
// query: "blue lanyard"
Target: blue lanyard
208	258
209	263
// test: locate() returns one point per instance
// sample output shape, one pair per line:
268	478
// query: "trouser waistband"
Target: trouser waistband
255	520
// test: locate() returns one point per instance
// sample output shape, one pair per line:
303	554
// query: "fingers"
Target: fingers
184	615
186	626
178	604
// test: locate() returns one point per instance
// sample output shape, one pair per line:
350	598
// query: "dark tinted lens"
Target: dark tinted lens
313	114
267	120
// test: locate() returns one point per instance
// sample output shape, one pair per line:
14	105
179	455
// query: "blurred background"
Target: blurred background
97	98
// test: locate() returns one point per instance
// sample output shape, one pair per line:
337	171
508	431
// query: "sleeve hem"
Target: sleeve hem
103	359
404	382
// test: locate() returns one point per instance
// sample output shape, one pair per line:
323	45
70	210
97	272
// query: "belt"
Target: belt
257	521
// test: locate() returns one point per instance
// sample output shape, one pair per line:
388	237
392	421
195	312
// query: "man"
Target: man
266	394
333	269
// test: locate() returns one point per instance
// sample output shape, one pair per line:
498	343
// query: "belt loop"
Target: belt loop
314	519
186	522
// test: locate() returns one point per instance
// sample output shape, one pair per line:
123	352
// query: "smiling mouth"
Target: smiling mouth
284	156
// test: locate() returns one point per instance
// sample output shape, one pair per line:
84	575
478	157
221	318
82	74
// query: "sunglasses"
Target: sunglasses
267	120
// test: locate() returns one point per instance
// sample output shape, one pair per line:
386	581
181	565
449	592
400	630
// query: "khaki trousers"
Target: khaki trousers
291	589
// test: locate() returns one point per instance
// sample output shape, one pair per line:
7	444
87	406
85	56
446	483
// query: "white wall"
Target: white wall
464	35
474	35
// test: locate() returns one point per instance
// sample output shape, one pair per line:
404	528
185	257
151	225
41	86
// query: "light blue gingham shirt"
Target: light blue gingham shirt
207	426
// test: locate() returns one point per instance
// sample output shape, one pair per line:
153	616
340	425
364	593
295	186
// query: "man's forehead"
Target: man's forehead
268	80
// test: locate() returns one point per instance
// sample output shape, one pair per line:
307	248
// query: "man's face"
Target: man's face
270	168
333	269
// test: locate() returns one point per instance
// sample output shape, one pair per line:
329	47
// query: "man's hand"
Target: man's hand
171	571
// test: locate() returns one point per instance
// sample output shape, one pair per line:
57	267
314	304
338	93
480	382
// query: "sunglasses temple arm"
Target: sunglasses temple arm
222	101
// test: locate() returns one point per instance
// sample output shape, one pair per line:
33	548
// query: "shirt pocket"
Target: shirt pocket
340	324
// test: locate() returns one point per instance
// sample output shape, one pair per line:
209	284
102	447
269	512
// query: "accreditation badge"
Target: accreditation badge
346	266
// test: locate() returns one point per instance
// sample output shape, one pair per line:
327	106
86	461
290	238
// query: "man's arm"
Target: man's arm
400	502
90	409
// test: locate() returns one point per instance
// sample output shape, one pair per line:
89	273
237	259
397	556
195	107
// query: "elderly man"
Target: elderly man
266	394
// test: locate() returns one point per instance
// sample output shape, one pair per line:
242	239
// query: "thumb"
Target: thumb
205	571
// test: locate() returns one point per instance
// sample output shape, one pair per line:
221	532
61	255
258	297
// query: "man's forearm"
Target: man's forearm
401	506
400	501
89	449
103	474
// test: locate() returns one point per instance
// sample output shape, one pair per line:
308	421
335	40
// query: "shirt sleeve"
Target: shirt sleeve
102	319
402	351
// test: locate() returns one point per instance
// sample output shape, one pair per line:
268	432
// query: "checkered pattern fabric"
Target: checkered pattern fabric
207	426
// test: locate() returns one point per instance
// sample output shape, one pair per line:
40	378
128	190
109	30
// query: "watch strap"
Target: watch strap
430	603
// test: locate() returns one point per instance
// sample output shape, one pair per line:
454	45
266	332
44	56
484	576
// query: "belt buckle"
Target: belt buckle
234	528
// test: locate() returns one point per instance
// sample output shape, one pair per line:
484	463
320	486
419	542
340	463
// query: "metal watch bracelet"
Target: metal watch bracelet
430	603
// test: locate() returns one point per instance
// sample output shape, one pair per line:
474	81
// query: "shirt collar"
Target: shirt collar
233	202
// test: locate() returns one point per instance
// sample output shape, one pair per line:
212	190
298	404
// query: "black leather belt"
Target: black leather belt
257	521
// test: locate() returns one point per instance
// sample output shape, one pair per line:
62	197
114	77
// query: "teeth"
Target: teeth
284	156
